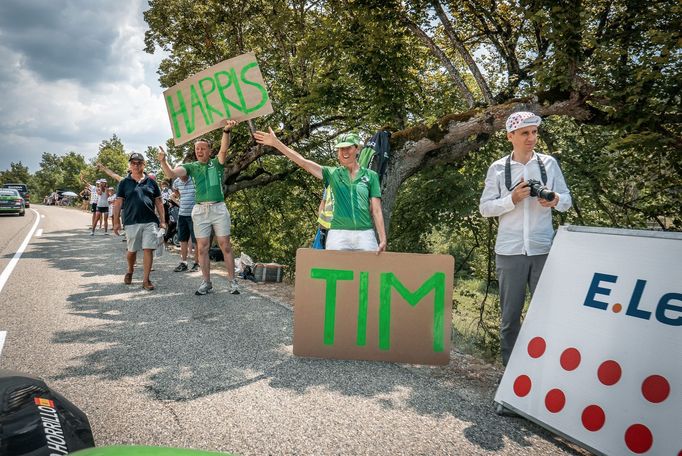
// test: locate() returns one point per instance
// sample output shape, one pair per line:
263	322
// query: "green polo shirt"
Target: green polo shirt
351	199
208	180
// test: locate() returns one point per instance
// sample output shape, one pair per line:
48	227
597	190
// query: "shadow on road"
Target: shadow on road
187	347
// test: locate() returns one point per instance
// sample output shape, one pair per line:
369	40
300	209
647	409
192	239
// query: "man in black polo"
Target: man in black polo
139	195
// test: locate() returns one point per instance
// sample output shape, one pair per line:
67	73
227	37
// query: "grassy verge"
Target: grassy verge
475	333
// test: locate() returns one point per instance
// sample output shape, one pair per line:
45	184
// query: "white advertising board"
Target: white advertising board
599	355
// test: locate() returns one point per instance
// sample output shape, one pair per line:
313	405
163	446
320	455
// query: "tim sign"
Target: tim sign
359	305
599	356
232	89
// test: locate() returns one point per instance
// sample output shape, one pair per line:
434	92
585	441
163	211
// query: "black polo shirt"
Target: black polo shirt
138	205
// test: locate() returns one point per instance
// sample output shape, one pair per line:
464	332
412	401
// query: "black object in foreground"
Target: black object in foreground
36	420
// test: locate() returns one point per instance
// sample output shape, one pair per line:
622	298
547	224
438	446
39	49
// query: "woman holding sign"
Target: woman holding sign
356	193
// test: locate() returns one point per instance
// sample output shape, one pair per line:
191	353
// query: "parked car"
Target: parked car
11	202
23	191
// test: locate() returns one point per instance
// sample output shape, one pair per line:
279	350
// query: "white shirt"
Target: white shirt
524	228
102	199
94	197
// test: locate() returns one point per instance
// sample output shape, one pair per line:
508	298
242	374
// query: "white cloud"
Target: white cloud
115	94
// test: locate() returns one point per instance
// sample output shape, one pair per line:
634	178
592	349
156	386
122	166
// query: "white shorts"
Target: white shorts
141	236
210	215
351	240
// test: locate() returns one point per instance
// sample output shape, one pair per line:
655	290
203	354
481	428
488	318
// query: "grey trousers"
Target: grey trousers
514	273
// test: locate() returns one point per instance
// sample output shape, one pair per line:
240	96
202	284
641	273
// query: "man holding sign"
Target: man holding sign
210	211
356	192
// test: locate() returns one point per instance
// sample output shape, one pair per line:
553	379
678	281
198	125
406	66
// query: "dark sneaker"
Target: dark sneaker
181	267
204	288
195	267
234	287
501	410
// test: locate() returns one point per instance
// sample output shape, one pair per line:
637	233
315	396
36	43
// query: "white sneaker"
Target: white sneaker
234	287
204	288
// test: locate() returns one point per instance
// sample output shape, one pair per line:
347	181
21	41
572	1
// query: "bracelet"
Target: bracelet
227	131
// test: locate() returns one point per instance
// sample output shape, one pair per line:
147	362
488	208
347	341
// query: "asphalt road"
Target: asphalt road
217	372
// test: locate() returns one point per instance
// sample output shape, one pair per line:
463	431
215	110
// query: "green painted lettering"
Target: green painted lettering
227	103
174	113
331	276
261	89
389	281
194	97
205	92
363	294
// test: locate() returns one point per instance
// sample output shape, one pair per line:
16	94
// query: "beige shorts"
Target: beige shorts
211	215
141	236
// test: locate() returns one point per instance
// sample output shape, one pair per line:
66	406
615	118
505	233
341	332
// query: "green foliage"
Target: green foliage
270	223
18	174
58	172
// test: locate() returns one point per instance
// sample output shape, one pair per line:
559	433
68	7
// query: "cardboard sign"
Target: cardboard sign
232	89
598	358
359	305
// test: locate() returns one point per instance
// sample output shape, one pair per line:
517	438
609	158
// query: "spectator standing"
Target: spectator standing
185	187
525	231
355	191
138	196
210	211
102	206
111	197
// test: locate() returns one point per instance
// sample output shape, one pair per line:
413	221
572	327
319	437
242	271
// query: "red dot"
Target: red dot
617	308
638	438
655	388
536	347
593	418
555	400
522	385
609	372
570	359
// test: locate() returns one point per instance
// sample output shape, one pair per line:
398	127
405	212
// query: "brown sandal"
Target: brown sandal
148	286
128	278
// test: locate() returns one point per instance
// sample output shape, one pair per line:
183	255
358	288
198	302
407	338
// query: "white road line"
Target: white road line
13	262
2	340
39	232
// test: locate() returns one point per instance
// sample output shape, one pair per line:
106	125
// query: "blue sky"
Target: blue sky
72	73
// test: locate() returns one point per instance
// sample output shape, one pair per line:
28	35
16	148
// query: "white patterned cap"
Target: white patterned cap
522	119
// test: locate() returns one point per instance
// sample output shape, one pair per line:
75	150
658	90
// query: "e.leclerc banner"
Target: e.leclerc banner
599	356
232	89
360	305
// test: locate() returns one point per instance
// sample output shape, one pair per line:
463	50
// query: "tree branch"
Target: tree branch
438	52
464	52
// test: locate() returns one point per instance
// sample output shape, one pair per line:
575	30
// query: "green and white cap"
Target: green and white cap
347	139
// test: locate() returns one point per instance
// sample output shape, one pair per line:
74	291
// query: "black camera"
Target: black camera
538	190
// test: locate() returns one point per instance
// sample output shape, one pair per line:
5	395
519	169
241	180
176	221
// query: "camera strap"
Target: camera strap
507	172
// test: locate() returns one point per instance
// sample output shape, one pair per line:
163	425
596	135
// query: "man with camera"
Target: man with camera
521	189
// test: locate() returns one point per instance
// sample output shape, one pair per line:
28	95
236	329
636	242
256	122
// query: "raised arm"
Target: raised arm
109	172
269	139
170	173
225	140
